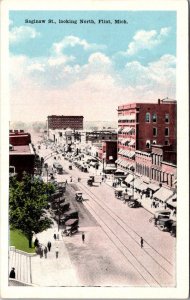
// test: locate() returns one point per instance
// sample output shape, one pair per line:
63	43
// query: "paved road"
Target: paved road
118	240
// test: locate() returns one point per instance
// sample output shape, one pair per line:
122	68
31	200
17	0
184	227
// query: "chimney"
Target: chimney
159	101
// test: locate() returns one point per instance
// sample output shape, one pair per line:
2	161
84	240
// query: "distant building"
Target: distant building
21	153
97	136
141	125
64	122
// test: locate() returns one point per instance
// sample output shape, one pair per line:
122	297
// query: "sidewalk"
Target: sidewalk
145	201
52	271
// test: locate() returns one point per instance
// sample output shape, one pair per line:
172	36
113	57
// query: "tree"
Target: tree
28	200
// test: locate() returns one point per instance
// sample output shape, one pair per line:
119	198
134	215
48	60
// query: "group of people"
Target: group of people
41	249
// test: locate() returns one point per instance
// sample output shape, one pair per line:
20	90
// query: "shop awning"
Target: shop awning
110	168
163	194
137	183
154	187
132	142
172	201
143	186
129	178
119	171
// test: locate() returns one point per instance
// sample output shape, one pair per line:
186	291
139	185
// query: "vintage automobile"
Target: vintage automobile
72	214
161	214
119	192
55	204
167	225
71	226
134	203
90	180
78	196
173	229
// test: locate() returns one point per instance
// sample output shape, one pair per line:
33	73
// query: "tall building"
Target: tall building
141	125
64	122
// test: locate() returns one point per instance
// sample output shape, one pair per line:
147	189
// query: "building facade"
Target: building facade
64	122
21	153
141	125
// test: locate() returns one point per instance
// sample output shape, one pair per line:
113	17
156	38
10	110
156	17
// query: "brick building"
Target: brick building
158	167
21	153
141	125
64	122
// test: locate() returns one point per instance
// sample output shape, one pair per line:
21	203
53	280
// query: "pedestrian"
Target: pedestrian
66	182
58	236
62	234
71	179
142	241
49	246
36	242
45	252
83	237
56	252
41	251
12	273
54	236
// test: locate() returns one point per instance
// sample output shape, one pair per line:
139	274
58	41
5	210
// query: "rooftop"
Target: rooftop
24	149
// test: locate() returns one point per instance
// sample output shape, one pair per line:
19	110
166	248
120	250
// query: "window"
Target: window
154	118
148	144
166	131
154	142
154	131
166	118
166	143
148	117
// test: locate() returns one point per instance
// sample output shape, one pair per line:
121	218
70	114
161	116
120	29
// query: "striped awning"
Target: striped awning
172	201
132	142
129	178
137	182
163	194
154	187
143	186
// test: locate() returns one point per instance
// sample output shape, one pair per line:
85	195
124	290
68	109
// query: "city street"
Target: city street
111	254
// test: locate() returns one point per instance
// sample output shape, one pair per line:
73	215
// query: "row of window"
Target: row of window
155	131
154	174
154	118
154	142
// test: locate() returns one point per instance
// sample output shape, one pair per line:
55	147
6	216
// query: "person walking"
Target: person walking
41	251
83	237
49	246
12	273
45	252
54	236
36	243
142	241
56	252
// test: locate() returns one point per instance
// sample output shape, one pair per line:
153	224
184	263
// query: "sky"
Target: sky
89	68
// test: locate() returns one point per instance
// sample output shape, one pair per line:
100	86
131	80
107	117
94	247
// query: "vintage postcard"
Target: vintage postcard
94	149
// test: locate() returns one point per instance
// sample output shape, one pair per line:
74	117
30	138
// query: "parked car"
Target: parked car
71	226
72	214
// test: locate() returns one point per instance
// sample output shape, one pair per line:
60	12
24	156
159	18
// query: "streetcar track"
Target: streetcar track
124	229
126	248
128	227
96	200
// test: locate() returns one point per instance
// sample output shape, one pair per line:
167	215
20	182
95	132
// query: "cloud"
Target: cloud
146	40
22	33
73	41
157	76
58	84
